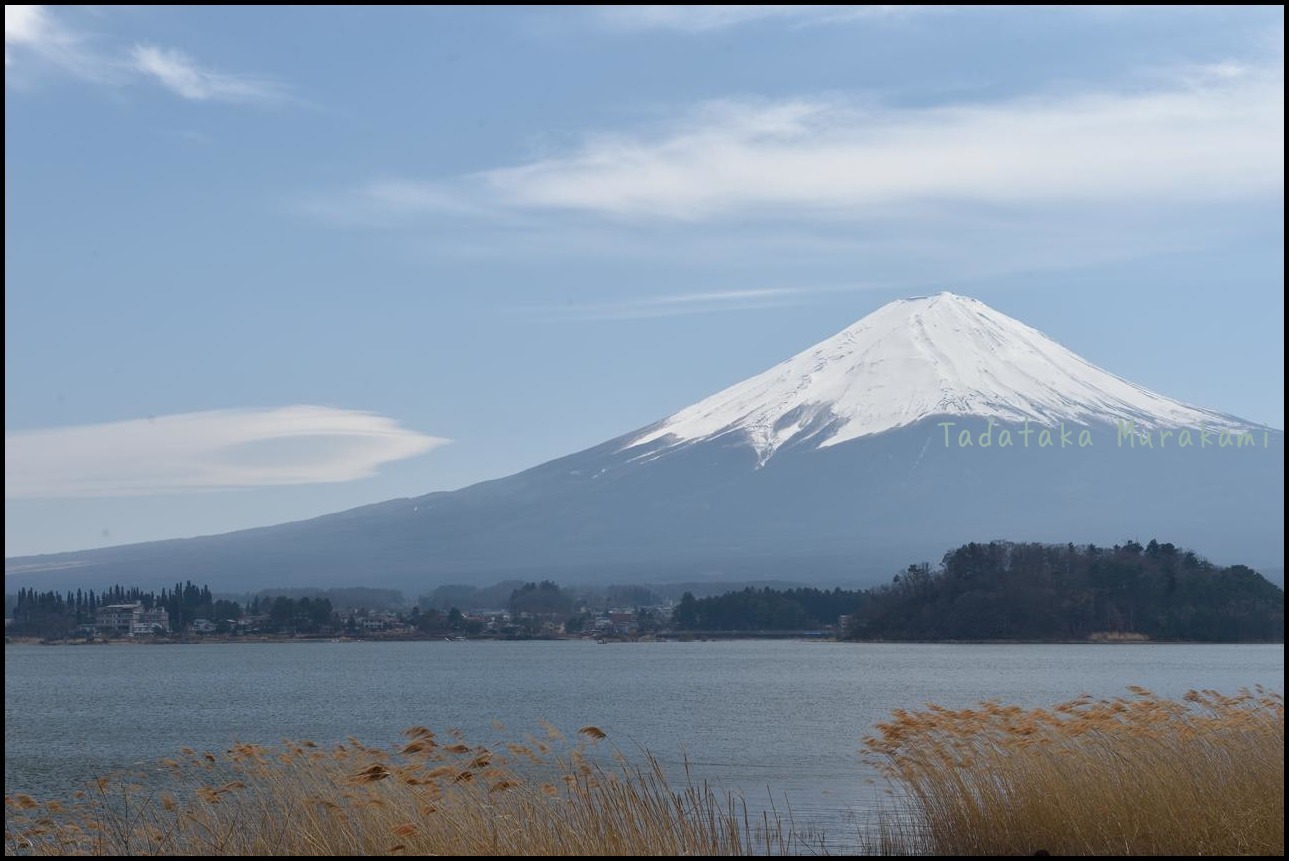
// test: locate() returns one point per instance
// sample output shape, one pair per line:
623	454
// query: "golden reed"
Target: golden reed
432	797
1135	775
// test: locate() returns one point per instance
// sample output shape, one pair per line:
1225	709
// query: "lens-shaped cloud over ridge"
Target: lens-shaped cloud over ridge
205	451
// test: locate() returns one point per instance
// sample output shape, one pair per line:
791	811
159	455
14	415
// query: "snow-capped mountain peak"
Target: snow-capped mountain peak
941	355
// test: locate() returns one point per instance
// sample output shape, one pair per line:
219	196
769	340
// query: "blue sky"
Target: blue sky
267	263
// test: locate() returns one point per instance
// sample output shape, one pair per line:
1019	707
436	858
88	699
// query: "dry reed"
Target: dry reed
431	797
1135	775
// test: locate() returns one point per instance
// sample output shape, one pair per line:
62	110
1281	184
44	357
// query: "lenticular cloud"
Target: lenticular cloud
205	451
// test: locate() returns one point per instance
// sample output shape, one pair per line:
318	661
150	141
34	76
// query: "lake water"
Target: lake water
778	719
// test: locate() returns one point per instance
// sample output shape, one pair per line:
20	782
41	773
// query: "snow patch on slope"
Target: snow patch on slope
942	355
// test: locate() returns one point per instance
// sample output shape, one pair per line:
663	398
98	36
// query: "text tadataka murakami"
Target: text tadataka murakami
1127	435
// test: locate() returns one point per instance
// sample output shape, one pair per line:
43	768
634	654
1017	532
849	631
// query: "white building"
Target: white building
133	619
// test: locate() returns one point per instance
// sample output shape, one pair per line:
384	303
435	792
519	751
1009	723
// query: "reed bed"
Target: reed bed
1134	775
434	796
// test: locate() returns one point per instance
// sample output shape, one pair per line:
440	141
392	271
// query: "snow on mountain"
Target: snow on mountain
942	355
680	501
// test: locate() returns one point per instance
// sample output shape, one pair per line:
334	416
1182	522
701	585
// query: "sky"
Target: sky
267	263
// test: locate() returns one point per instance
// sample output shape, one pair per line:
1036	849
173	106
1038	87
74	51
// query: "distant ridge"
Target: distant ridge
835	466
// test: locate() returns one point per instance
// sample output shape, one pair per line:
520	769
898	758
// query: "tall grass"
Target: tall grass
1136	775
432	797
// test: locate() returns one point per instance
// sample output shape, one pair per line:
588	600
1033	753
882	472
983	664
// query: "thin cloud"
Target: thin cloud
703	19
699	20
1206	135
24	25
178	73
684	304
206	451
39	41
34	37
1221	139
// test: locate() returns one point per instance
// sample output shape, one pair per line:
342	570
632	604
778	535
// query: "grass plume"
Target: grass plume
426	798
1135	775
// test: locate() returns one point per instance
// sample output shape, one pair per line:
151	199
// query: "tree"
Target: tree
543	599
430	621
685	616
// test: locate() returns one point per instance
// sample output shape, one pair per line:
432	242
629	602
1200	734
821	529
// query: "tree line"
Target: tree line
1022	591
764	609
1010	591
54	615
980	591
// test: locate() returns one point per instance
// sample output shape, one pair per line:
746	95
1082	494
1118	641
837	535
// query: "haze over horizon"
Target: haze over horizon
248	285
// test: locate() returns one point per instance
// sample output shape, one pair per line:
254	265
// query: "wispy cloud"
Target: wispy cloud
1217	140
38	40
387	202
24	26
206	451
178	73
1202	135
684	304
33	36
701	19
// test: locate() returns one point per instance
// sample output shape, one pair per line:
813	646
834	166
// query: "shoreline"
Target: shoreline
710	637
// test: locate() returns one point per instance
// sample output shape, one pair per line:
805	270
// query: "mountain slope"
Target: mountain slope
943	355
835	466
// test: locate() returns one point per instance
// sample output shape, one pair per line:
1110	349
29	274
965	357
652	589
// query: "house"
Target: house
203	626
154	621
616	622
115	618
131	619
381	620
623	621
252	624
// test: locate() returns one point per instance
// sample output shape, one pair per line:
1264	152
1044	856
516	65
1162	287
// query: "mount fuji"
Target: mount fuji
930	422
942	355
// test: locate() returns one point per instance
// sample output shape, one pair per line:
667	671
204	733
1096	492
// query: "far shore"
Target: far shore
688	637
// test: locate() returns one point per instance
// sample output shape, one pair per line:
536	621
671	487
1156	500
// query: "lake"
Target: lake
770	719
